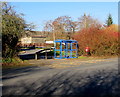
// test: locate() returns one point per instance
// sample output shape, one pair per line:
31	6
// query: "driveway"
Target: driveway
88	78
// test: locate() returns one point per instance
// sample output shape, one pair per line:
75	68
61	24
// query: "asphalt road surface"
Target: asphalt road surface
92	78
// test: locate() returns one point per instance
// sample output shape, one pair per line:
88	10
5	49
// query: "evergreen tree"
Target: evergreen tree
13	27
109	20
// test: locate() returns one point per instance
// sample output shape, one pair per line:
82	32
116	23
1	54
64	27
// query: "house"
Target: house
38	39
26	40
34	38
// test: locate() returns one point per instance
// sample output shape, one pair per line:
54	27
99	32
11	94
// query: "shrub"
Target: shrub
102	41
9	61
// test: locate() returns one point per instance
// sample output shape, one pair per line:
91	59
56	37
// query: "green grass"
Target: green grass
83	57
63	53
13	63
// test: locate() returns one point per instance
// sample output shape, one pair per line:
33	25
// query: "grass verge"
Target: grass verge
13	63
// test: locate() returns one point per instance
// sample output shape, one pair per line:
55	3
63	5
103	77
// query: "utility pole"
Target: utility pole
53	35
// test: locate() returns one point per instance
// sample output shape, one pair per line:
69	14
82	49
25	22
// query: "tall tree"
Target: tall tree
13	27
109	20
61	26
87	21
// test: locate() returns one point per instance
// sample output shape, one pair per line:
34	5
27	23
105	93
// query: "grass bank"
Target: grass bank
13	63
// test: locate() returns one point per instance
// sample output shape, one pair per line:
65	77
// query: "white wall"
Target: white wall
26	40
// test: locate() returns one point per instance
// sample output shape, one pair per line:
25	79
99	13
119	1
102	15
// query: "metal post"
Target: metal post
45	54
54	49
60	49
76	49
35	56
66	50
70	49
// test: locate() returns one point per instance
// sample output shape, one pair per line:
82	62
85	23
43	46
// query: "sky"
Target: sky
40	12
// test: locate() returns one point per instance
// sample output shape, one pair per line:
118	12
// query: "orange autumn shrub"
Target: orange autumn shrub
102	41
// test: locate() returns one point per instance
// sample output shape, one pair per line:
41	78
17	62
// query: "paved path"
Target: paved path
92	78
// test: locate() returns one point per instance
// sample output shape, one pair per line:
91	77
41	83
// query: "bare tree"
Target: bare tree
62	27
87	21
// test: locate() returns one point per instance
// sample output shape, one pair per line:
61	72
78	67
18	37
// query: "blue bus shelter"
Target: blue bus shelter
65	48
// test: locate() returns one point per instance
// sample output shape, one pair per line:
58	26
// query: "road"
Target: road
92	78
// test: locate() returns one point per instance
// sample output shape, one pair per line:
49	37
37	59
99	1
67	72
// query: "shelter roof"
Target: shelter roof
66	41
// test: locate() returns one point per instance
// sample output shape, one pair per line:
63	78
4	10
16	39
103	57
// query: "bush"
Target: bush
102	41
7	61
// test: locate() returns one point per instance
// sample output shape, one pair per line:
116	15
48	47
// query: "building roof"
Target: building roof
30	52
38	36
34	51
66	41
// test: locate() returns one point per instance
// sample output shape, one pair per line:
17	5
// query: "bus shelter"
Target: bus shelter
65	49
